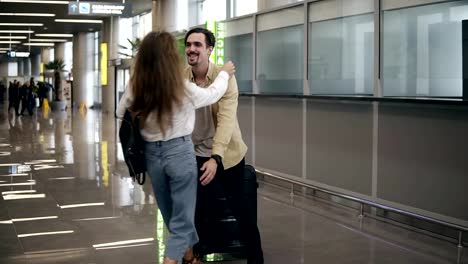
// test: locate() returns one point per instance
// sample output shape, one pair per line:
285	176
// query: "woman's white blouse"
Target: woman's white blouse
183	119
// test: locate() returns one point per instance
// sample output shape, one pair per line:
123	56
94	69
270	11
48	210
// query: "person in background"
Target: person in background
27	98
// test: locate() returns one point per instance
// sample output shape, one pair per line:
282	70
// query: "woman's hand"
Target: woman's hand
230	68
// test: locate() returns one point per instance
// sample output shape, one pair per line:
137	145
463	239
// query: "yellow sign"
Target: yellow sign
45	108
104	164
41	68
103	63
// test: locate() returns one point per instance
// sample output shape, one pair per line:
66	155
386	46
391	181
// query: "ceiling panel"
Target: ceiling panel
49	25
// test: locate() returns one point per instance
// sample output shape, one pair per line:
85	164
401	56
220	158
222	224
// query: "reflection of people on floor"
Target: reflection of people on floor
148	190
15	127
13	96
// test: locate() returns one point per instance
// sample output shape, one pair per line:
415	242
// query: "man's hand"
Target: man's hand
209	173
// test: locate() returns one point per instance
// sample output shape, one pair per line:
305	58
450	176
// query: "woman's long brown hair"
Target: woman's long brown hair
157	79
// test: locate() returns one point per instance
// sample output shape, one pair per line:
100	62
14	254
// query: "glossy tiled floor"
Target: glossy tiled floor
65	197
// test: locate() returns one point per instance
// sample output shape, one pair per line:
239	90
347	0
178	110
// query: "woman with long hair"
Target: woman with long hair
166	104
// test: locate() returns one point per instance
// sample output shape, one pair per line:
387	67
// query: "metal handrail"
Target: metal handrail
362	201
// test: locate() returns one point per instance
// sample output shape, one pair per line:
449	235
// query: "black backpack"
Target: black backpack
133	146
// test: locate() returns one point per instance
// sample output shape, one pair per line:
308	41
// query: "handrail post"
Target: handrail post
361	211
291	194
460	239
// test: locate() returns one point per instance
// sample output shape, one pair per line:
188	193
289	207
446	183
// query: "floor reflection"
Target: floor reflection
66	198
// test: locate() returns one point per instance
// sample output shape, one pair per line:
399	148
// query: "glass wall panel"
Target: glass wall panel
96	79
145	25
267	4
280	51
125	33
68	56
13	68
341	47
238	47
422	50
244	7
394	4
51	54
213	10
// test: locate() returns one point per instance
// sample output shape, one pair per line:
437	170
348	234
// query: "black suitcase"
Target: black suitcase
221	233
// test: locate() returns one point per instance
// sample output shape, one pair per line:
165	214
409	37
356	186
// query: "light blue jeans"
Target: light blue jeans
172	168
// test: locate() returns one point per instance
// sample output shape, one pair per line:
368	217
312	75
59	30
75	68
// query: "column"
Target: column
83	62
171	15
110	35
36	65
20	67
27	68
45	55
45	59
156	12
59	51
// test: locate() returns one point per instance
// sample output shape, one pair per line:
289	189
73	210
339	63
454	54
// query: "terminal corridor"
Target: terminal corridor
66	198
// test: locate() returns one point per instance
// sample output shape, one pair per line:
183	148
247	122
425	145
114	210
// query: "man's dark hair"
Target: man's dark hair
209	37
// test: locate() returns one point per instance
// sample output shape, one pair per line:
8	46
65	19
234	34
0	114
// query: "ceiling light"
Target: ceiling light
13	192
79	21
9	164
39	161
48	40
45	167
22	24
124	242
34	218
27	14
13	174
79	205
46	233
96	218
35	2
2	51
55	35
9	42
13	37
18	184
127	246
16	31
62	178
40	44
8	197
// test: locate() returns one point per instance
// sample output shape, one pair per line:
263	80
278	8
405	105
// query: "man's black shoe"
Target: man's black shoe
258	260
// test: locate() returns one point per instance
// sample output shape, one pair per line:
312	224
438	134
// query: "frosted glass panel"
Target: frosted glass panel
244	7
280	59
341	55
68	57
239	49
422	50
13	68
